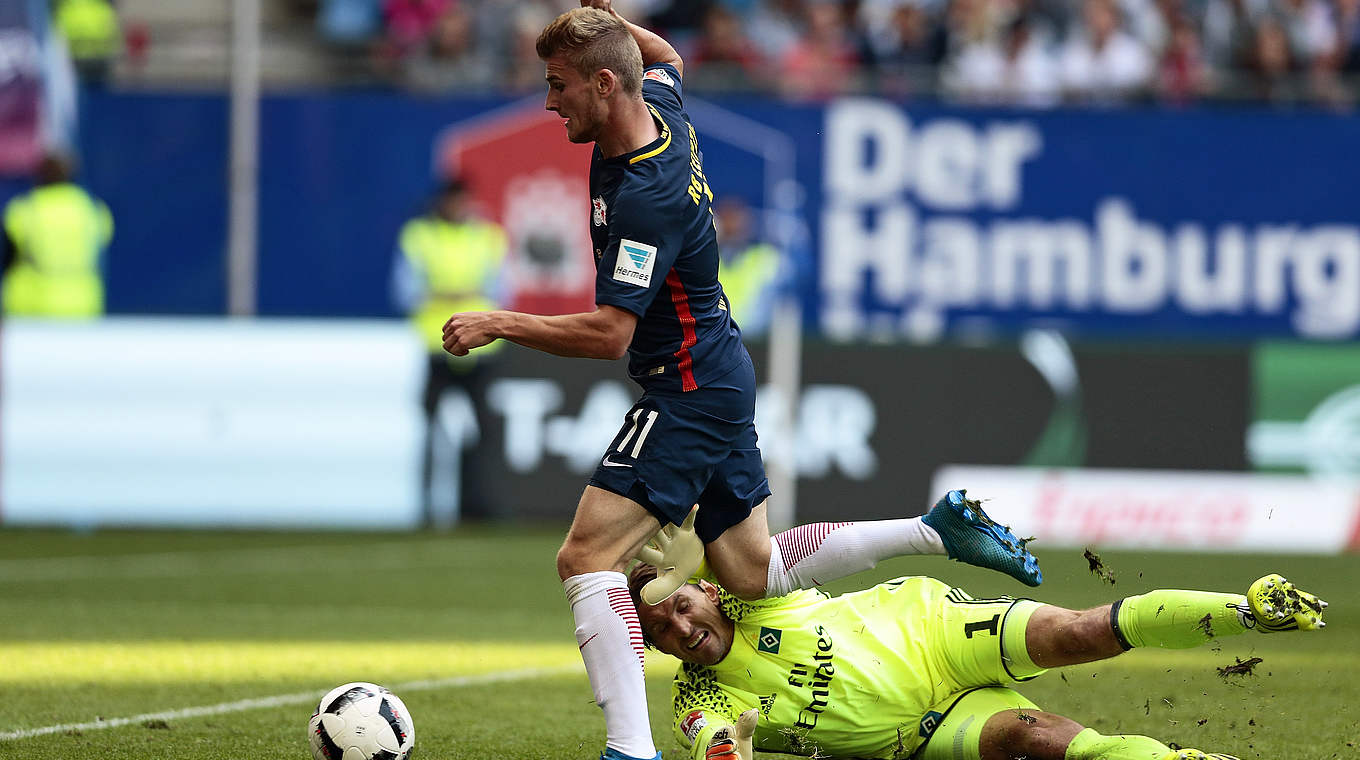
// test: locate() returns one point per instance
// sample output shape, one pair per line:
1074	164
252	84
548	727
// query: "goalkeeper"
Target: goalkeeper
914	668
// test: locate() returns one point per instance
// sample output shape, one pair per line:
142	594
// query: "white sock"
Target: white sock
610	637
818	553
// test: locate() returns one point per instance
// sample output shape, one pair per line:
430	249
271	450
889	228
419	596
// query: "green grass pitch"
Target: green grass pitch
199	646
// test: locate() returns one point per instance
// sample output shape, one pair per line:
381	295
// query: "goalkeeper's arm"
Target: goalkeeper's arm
710	735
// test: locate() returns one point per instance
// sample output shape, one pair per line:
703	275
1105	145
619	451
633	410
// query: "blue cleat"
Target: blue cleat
613	754
970	536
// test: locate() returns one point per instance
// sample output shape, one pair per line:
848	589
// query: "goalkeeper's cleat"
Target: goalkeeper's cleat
1194	754
677	554
969	535
613	754
1278	606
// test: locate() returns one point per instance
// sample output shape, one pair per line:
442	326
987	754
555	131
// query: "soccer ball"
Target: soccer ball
361	721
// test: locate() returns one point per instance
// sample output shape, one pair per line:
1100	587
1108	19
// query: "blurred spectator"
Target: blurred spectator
750	266
349	22
448	261
90	28
904	49
55	236
450	58
409	23
1310	27
1347	49
1271	63
775	26
822	63
985	51
523	69
1182	75
966	23
677	20
1019	70
1102	63
723	53
1229	31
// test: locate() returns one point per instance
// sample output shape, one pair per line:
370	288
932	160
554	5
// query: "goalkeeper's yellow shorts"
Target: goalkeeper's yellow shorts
979	644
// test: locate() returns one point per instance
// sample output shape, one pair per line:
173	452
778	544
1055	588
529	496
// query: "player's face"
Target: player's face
572	97
690	625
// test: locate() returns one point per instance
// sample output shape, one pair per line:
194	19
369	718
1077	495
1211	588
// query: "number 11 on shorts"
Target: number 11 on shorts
636	417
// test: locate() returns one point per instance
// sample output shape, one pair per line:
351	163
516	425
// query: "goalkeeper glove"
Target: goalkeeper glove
734	742
677	553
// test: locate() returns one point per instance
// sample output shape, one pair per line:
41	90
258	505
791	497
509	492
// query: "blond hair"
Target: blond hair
592	39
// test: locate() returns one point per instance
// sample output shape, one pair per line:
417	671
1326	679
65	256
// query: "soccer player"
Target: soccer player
690	438
912	662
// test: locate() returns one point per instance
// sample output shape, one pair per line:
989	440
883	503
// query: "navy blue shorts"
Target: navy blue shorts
679	449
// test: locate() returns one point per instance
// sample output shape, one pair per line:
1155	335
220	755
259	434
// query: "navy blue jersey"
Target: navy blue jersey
656	252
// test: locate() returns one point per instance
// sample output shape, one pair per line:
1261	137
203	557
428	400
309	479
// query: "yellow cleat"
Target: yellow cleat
1194	754
1278	606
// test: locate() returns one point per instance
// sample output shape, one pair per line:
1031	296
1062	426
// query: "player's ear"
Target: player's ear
605	83
710	590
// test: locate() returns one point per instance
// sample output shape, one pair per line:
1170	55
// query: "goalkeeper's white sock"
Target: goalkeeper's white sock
610	637
818	553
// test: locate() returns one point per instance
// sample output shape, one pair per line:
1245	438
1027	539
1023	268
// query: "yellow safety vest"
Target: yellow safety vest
459	262
59	232
90	28
746	276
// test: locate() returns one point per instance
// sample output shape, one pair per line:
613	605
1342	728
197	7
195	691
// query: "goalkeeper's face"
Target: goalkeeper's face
690	625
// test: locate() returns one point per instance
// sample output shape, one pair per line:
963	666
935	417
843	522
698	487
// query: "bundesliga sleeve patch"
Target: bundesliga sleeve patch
659	75
692	725
634	263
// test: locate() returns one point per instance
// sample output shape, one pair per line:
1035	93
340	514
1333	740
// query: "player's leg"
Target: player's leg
977	642
997	723
751	564
1167	619
654	470
606	532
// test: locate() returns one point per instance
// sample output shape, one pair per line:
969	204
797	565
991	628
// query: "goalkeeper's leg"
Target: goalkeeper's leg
997	723
1167	619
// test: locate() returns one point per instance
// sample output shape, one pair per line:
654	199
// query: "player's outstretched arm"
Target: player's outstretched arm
601	334
655	49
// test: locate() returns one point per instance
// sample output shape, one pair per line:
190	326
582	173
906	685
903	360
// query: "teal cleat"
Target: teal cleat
970	536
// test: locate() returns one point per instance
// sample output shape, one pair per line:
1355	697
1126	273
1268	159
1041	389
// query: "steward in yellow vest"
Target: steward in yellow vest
448	261
55	238
749	268
91	30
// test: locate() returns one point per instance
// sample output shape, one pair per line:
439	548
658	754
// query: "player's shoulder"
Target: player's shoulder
646	196
661	79
741	611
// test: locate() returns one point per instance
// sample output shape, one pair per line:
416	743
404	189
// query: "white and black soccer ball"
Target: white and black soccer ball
361	721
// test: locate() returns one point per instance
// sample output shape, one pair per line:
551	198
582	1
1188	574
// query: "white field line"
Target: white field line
288	699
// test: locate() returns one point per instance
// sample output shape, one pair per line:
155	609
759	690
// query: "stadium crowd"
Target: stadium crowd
1035	53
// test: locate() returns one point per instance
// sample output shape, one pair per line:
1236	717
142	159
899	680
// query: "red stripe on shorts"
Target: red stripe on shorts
681	301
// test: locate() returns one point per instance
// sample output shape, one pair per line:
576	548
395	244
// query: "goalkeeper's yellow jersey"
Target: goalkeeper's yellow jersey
845	676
